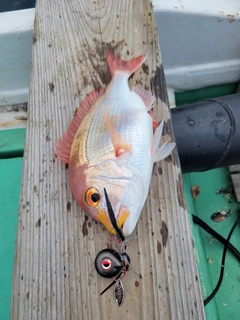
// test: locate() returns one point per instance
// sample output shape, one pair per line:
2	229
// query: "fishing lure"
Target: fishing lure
109	263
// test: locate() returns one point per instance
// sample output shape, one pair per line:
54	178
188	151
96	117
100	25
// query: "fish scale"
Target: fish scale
130	130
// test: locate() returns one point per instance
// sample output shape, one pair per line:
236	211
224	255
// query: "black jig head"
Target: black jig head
108	263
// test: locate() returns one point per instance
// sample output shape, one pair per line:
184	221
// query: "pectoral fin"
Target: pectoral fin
165	150
119	145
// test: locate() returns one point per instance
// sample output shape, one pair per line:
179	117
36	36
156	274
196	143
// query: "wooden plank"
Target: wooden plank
54	277
234	168
236	183
235	175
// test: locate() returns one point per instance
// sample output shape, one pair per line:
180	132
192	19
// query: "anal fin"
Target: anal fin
64	144
160	153
154	120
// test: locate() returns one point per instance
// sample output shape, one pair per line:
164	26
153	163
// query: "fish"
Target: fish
112	143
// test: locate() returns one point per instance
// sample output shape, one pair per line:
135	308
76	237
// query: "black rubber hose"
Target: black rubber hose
208	133
216	235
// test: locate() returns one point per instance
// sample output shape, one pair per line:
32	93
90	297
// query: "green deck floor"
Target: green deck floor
225	305
10	177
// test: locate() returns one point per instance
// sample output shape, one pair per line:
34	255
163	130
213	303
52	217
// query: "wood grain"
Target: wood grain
235	175
236	183
54	277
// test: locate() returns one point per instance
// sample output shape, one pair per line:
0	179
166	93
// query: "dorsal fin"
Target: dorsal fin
64	144
116	64
148	99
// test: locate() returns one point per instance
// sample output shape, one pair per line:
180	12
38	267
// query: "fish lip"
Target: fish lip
122	216
104	219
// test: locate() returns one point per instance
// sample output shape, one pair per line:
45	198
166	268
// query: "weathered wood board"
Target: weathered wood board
235	175
54	277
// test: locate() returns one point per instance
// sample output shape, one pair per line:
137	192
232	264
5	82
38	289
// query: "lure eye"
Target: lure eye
106	263
92	197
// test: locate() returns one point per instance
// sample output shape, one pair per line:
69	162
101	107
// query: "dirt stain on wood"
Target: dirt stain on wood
34	38
158	85
169	159
159	247
51	86
145	68
85	227
89	224
69	206
180	193
36	30
48	138
38	223
164	233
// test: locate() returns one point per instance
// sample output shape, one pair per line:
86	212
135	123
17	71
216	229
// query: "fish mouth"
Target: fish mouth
111	223
103	218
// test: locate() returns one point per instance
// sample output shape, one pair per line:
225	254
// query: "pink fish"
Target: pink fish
111	144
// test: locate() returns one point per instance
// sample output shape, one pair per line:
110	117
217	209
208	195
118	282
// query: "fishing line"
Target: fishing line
111	284
112	217
206	301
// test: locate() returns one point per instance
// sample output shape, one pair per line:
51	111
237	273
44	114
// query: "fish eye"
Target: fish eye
92	197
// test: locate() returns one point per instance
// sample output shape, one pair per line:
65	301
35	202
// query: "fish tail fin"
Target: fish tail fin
165	150
116	64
